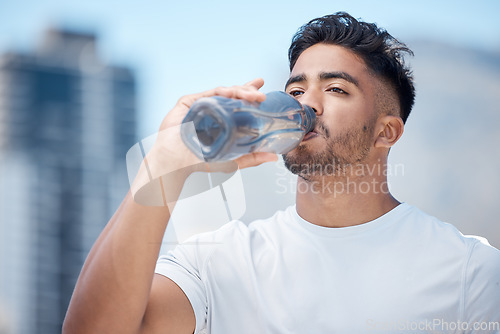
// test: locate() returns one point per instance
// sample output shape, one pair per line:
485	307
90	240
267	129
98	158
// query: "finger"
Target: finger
241	92
247	93
255	159
188	100
256	83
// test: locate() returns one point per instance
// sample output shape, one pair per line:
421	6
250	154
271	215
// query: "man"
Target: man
348	257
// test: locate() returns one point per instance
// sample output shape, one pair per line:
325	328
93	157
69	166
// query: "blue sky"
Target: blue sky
182	47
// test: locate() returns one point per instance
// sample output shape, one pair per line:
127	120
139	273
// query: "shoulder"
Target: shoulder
449	246
432	229
478	250
237	228
238	233
479	263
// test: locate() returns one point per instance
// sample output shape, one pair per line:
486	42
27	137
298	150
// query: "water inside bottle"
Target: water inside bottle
226	128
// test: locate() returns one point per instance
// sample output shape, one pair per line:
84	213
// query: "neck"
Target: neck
347	200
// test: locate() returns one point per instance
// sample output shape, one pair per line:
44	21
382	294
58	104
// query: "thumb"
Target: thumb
255	159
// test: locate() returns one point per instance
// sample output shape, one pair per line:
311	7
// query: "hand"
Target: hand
170	162
249	92
170	146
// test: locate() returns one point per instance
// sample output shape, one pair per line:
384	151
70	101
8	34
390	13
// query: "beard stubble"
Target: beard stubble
341	151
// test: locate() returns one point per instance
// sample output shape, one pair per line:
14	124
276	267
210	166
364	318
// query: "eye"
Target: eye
337	90
295	93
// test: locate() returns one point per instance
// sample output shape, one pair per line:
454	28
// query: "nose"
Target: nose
313	100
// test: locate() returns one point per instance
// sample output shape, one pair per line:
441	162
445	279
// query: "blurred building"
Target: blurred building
67	120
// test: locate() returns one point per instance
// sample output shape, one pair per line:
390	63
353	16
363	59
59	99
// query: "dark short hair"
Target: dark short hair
382	53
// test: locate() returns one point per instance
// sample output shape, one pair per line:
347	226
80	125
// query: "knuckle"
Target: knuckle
183	99
220	89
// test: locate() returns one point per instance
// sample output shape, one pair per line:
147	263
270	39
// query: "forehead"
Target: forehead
329	58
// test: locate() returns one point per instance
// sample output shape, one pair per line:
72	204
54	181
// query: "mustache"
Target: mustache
322	128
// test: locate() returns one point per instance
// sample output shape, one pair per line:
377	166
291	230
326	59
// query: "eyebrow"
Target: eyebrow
294	79
324	76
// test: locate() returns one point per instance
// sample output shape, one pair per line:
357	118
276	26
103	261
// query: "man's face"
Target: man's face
337	84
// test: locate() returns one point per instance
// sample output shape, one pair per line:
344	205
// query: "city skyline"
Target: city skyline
67	121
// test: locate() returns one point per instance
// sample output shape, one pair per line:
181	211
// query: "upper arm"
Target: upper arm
482	295
168	309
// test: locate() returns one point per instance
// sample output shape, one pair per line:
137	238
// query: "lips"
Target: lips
310	135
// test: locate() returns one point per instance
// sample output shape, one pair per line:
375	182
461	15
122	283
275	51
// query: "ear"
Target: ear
388	131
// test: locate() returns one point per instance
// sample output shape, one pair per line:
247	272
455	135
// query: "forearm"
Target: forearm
113	288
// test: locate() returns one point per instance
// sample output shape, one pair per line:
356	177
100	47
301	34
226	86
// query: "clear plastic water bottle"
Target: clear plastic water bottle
225	129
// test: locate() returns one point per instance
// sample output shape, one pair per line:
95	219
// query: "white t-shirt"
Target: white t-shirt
403	272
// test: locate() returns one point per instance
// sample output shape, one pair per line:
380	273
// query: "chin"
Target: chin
300	153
